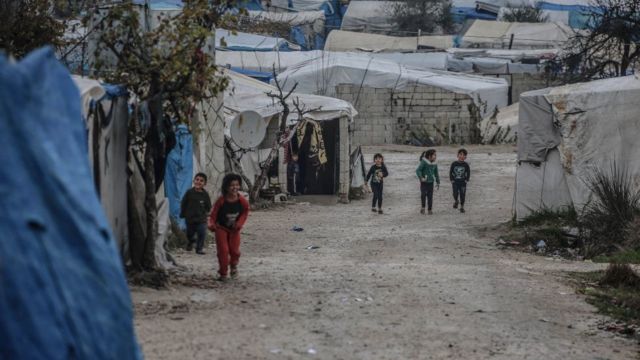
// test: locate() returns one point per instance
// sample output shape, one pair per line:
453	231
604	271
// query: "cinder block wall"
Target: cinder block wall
395	117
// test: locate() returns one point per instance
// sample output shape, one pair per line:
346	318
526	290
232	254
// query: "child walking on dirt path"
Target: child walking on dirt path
194	208
459	174
377	173
427	172
229	214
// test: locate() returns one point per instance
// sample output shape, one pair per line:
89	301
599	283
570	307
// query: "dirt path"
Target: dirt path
394	286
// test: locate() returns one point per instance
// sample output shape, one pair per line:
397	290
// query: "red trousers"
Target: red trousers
228	247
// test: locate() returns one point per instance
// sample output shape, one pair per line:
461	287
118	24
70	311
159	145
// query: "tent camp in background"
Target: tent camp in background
369	16
340	40
263	62
331	8
398	104
329	120
511	35
307	27
227	40
500	127
574	13
567	132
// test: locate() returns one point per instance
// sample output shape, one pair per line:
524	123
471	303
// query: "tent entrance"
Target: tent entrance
323	179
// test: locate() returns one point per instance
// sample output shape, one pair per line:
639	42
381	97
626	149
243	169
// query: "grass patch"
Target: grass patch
622	257
564	217
614	292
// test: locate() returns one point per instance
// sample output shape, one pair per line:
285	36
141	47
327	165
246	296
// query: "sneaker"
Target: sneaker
374	210
222	278
380	211
462	210
189	246
422	211
200	252
455	204
234	272
430	212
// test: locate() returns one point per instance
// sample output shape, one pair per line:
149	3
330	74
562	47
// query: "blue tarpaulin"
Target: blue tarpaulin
258	75
460	14
63	293
179	172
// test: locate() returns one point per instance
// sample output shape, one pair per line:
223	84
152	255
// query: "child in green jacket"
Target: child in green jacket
427	172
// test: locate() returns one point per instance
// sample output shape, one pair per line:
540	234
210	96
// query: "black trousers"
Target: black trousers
199	230
376	188
459	191
426	193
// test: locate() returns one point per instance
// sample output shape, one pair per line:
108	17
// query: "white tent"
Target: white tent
266	60
513	55
226	40
368	16
306	5
565	133
321	76
292	18
501	127
340	40
497	34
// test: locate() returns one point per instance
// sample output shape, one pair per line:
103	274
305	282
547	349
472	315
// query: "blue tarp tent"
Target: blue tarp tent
460	14
179	172
263	76
63	292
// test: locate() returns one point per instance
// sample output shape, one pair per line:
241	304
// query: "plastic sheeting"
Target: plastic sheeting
244	93
590	125
64	294
501	127
491	66
250	42
178	173
264	62
340	40
368	16
321	76
496	34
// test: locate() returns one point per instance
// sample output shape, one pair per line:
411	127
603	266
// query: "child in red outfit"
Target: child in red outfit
229	214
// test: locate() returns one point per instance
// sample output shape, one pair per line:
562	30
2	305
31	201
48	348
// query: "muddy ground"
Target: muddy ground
394	286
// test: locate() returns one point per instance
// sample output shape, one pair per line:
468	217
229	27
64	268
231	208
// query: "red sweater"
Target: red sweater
240	220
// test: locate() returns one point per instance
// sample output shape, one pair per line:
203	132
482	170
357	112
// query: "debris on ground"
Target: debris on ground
297	229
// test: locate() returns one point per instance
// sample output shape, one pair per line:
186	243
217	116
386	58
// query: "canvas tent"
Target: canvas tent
307	27
266	61
106	115
321	76
332	115
497	34
564	133
340	40
368	16
500	127
226	40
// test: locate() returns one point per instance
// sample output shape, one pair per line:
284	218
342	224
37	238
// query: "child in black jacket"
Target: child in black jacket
459	174
377	173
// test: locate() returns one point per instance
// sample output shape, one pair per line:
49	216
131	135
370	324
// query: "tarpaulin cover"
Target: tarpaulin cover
263	76
178	174
500	128
341	40
322	75
63	293
497	34
251	42
460	14
369	16
590	126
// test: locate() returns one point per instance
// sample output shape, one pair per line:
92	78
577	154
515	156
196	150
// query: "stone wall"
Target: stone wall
417	112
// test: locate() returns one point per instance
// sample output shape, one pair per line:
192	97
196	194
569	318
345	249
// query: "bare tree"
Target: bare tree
426	15
612	45
527	13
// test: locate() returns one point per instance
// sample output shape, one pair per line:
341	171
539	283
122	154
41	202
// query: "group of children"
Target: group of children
427	173
230	211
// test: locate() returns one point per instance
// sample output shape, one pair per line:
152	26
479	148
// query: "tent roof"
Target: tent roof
368	15
302	4
526	35
251	42
265	61
245	93
322	75
293	18
340	40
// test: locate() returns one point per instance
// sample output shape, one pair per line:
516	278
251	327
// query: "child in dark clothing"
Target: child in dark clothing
377	173
459	174
293	175
194	207
427	172
229	214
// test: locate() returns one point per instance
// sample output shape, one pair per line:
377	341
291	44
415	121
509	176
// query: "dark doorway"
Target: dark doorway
323	180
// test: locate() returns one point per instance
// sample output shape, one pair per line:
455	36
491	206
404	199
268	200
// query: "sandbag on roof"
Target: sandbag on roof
63	294
564	133
321	76
494	34
340	40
